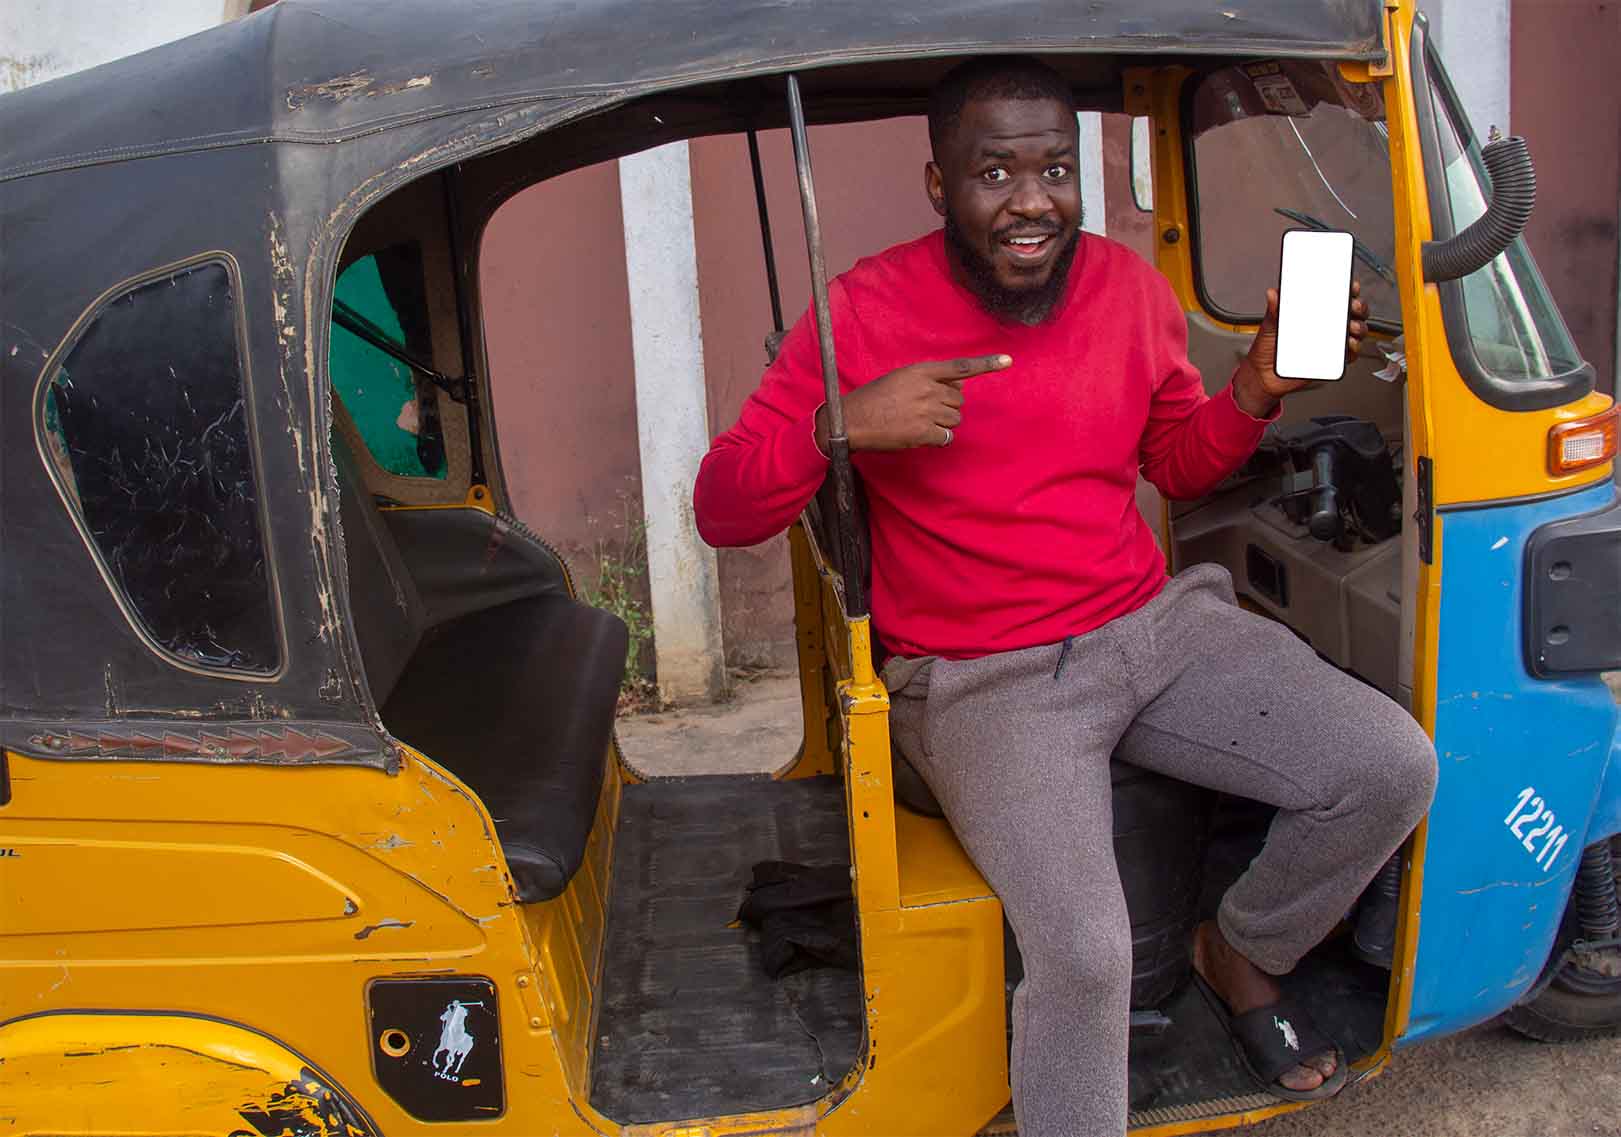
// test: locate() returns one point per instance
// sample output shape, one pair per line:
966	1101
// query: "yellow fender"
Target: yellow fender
156	1074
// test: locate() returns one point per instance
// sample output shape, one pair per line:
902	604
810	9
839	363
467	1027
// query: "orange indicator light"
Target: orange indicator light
1574	446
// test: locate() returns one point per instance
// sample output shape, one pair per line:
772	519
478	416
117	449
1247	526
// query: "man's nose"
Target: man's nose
1030	199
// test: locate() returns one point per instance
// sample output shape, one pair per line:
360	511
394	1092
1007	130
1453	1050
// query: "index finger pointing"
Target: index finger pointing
956	370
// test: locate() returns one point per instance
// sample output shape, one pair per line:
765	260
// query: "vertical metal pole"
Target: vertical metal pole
855	589
765	230
464	321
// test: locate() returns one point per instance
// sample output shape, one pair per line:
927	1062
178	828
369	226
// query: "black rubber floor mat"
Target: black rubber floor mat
689	1024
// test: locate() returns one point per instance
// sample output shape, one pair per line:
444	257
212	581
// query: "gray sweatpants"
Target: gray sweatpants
1016	747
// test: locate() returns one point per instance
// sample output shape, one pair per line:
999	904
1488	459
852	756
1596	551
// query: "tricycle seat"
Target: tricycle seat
519	700
477	656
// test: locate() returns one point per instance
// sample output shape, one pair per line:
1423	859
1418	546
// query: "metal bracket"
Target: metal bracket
1386	68
1424	515
352	321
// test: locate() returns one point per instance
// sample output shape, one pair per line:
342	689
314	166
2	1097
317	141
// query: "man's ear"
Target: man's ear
934	185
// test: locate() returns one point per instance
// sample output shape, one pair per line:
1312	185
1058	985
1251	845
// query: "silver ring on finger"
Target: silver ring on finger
946	441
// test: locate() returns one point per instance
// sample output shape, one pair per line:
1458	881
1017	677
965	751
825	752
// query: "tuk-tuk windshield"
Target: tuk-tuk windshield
1281	145
1513	327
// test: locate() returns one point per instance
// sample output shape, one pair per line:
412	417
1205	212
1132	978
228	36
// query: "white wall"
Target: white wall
1474	39
43	39
672	418
1090	161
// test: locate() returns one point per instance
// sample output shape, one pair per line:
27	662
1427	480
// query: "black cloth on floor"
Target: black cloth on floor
805	914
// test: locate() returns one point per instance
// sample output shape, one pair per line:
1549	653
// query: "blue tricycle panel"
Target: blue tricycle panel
1522	761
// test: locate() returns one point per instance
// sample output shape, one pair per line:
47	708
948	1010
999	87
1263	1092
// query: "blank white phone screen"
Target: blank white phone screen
1314	289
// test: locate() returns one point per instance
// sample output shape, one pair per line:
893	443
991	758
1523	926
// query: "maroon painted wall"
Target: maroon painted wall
870	195
557	320
1566	103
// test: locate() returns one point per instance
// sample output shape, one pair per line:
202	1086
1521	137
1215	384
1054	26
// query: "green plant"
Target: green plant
620	587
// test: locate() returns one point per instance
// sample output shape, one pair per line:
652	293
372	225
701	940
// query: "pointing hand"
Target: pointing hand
916	405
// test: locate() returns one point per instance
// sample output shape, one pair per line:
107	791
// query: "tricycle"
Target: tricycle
312	815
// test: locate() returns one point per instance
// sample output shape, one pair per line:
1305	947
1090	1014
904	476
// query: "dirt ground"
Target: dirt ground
1487	1081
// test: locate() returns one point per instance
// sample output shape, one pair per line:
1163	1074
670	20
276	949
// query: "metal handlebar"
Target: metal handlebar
855	588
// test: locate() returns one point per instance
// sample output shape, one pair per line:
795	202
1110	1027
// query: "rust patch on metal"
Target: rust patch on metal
366	932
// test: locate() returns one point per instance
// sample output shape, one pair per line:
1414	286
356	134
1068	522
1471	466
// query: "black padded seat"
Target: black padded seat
519	701
383	601
477	655
465	560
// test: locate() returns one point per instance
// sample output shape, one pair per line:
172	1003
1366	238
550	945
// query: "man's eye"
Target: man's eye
1057	172
995	174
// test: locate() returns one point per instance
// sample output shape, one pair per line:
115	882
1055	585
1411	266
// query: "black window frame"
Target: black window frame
126	604
1509	394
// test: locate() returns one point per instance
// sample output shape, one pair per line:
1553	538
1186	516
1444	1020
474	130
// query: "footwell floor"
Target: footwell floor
1185	1069
691	1026
689	1023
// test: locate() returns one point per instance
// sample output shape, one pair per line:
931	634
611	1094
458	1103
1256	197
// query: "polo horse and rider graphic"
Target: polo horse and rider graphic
455	1041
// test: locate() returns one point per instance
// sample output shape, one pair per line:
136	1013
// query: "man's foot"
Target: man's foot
1245	987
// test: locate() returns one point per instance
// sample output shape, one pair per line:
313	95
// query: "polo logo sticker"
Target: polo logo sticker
455	1042
1287	1029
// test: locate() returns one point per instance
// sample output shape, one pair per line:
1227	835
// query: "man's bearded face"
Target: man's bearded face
1010	194
1030	301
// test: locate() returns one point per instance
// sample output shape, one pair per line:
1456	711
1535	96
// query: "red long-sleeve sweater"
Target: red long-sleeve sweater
1025	529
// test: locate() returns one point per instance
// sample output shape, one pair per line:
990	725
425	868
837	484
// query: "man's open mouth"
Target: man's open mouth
1029	246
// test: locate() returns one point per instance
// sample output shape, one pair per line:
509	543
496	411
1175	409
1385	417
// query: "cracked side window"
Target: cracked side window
145	422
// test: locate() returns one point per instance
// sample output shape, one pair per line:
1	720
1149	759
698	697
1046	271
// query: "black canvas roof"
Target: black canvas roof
325	70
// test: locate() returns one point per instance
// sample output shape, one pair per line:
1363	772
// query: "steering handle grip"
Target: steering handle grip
1324	520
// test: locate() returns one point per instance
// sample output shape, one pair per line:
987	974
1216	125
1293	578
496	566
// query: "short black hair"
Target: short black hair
995	77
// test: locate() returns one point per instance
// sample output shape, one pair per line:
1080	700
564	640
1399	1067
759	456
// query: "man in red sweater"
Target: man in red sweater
1004	381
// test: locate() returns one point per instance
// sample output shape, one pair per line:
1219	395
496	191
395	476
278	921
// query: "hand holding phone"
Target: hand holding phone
1314	295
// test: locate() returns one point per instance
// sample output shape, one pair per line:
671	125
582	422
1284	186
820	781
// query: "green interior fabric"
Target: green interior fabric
380	393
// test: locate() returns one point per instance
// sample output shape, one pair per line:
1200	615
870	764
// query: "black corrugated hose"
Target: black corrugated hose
1513	195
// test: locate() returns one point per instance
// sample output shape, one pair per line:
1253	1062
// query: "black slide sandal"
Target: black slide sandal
1273	1040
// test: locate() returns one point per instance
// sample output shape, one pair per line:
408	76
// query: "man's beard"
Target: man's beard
1026	305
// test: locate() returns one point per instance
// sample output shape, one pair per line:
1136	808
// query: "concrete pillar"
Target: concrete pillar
1090	160
672	418
1474	39
42	39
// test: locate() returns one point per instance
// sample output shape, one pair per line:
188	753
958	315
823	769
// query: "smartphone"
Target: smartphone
1314	303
